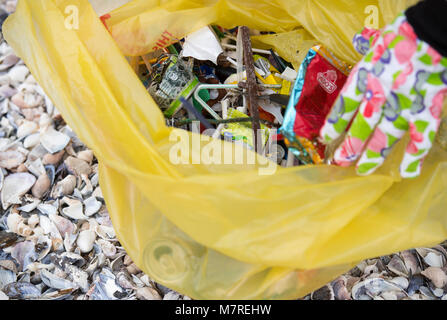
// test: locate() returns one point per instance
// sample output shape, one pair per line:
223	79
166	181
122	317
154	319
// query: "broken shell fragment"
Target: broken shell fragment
21	290
147	293
53	159
11	159
24	253
26	128
54	141
14	186
436	275
92	206
75	211
86	155
85	240
41	186
55	282
77	166
64	187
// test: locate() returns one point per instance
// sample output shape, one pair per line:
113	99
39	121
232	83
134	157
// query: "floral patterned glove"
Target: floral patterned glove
398	86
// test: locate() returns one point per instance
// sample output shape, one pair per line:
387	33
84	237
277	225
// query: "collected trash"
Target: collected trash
213	67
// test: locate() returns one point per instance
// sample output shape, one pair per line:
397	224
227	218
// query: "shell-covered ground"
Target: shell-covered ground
56	237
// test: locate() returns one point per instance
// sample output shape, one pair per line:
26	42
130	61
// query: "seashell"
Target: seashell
14	186
6	277
57	244
53	159
30	206
78	277
92	206
7	239
147	293
65	186
324	293
172	295
8	265
434	260
77	166
436	275
57	294
105	287
11	159
9	61
18	74
54	141
62	224
35	167
31	141
98	193
105	232
372	287
21	290
45	120
24	230
133	269
127	260
47	209
26	128
41	186
7	92
12	221
401	282
30	79
33	221
95	180
49	227
86	155
427	293
75	211
340	290
107	248
3	296
69	241
397	266
411	261
56	282
124	280
85	240
371	269
69	258
138	282
44	244
24	253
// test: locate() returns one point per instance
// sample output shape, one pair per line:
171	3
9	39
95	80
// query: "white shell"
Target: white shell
434	260
32	140
26	128
75	211
54	141
49	227
92	206
47	209
85	240
14	186
18	74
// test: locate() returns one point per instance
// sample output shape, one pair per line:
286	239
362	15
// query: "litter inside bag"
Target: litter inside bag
211	230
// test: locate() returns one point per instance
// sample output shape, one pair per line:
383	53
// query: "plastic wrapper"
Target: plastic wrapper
320	80
216	231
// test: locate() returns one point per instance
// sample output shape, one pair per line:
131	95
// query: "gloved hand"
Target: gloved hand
398	86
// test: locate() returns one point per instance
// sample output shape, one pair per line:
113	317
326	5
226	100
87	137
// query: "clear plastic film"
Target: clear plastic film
220	231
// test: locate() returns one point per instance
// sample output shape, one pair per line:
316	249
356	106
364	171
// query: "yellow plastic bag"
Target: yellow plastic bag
220	231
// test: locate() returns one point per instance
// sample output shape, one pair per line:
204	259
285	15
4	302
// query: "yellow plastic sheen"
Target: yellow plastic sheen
221	231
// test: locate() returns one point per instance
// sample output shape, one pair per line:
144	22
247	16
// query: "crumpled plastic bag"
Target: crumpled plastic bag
220	231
